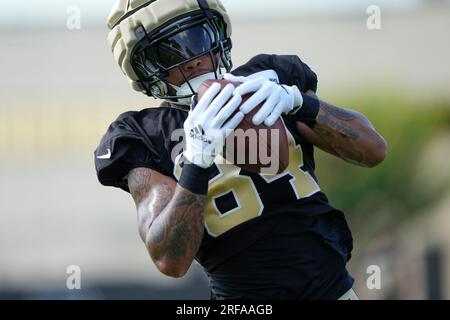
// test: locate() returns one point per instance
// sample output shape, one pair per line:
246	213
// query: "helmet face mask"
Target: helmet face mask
175	43
183	45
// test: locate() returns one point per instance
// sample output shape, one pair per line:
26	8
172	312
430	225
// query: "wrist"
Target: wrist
309	110
194	178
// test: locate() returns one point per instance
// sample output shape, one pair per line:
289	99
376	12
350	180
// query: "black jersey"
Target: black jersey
270	222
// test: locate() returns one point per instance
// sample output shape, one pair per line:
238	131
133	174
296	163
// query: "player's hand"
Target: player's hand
205	128
278	98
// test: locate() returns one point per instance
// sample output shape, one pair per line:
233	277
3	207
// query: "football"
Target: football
255	148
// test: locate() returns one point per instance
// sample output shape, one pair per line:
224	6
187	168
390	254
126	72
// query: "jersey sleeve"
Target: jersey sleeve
121	149
291	70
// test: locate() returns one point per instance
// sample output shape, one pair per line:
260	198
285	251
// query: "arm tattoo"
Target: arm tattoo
349	134
178	231
163	195
346	131
337	119
139	183
171	217
338	113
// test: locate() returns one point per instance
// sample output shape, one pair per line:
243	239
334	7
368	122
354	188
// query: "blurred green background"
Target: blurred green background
60	89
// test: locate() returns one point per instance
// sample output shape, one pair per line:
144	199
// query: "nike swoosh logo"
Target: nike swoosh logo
105	156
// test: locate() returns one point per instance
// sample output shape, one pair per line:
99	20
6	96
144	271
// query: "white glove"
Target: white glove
205	127
279	98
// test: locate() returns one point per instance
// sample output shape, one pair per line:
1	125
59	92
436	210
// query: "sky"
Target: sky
55	12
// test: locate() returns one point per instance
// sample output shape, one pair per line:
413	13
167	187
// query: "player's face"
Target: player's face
191	69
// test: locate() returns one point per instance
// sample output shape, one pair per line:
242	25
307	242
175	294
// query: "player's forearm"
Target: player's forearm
175	235
350	134
170	217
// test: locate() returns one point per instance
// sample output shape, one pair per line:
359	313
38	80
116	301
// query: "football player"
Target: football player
256	236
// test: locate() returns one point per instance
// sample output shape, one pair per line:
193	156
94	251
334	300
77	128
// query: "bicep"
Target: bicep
151	192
